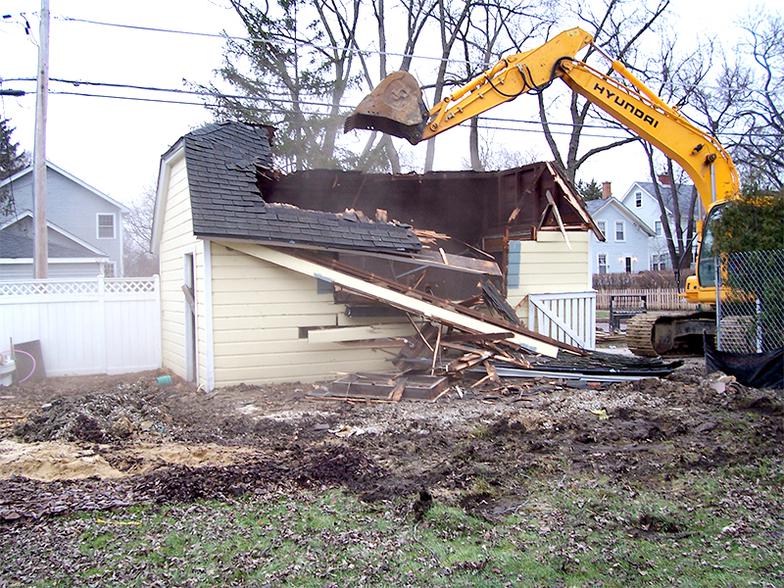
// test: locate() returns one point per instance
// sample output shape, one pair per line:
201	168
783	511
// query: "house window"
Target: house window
106	228
628	262
638	199
602	258
658	226
110	270
603	227
620	231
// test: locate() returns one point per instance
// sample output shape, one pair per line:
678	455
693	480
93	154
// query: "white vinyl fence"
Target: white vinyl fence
86	326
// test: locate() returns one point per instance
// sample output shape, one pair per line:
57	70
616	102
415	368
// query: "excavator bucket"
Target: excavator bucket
394	107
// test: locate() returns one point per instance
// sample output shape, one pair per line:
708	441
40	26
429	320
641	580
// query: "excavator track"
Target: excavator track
655	334
639	334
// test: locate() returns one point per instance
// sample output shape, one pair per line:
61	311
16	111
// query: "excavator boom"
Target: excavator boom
396	107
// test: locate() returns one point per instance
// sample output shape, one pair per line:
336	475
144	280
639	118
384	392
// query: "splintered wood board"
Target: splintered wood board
372	385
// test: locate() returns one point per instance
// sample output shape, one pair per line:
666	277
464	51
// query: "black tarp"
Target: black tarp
758	370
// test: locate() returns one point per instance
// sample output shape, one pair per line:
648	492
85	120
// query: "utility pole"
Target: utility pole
40	260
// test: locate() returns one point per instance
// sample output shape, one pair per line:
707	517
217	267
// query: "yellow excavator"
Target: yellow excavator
396	107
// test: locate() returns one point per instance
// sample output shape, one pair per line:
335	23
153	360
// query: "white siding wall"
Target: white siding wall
177	240
24	271
635	244
548	266
260	313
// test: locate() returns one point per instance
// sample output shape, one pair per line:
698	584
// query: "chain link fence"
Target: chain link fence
750	301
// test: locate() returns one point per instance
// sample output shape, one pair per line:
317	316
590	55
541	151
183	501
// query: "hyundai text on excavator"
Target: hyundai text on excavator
396	107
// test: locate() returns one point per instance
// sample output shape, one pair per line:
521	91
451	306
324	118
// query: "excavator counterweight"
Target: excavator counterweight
394	107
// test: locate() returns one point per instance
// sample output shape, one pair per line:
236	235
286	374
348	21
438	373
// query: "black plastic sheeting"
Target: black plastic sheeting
758	370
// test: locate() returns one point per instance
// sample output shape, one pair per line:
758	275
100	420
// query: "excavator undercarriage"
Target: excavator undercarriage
654	334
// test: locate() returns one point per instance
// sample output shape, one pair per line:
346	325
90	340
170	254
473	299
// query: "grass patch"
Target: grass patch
698	530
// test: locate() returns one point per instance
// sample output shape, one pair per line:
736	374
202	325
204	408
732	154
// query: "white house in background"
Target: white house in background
85	228
628	237
640	198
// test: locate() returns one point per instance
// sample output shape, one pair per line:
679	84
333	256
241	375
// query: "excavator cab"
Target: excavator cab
394	107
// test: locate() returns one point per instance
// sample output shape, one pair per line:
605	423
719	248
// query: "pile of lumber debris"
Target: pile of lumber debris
443	356
475	342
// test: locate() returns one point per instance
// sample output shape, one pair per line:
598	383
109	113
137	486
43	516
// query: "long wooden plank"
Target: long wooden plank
396	299
358	333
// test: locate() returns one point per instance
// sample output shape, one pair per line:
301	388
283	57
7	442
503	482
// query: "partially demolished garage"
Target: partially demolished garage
306	276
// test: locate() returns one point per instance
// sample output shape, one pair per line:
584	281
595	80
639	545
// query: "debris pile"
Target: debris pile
107	417
443	357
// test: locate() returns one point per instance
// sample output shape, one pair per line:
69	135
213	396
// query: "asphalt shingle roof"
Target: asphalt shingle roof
594	205
223	161
684	195
18	246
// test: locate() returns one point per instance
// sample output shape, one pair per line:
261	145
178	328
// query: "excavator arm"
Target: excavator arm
396	107
622	96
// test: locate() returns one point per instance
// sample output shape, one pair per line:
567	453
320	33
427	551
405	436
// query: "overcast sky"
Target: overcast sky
115	145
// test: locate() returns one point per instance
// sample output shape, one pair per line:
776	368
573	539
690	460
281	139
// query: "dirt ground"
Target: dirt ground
75	444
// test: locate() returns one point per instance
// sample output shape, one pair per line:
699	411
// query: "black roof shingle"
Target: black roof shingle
18	246
223	162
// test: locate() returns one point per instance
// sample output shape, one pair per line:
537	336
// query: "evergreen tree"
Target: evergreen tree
589	190
11	161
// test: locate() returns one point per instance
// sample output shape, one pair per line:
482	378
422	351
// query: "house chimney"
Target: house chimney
664	179
606	190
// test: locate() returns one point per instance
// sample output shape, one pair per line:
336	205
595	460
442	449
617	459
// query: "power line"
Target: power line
187	103
146	28
151	29
281	99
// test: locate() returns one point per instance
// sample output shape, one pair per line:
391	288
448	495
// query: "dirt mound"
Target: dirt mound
109	417
337	465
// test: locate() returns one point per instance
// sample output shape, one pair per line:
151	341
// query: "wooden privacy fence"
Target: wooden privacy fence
658	299
92	326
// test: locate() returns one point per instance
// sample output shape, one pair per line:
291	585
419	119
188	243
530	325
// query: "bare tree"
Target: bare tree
761	147
137	227
376	156
496	156
495	28
617	29
450	21
675	78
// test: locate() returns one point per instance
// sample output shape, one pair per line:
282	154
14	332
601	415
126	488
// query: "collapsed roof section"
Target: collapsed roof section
224	163
234	194
474	207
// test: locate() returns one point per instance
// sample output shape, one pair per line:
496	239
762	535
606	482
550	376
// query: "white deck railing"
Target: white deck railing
569	317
